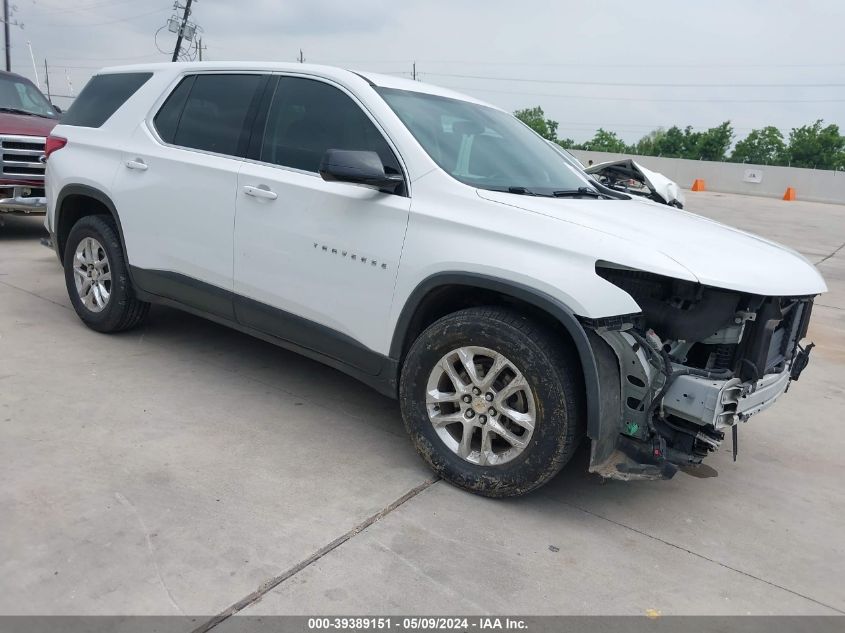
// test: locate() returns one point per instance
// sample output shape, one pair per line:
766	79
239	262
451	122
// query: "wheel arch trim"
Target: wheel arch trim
90	192
537	298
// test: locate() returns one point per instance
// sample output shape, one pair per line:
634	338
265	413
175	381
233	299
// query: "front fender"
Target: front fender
552	306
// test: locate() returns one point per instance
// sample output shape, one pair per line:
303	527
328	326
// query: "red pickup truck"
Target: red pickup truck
26	119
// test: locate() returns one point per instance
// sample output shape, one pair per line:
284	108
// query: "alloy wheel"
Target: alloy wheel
481	405
92	274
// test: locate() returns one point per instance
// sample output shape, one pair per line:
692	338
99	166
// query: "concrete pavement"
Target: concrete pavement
184	468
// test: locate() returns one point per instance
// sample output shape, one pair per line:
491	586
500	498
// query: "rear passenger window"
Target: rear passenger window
209	112
101	98
308	117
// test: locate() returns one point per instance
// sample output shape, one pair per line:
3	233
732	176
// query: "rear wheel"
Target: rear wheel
492	401
97	278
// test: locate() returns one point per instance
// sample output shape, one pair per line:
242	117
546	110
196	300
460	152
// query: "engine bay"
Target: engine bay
692	366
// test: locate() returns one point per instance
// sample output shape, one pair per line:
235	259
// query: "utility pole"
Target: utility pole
6	31
69	84
181	29
200	48
414	72
301	58
47	80
34	67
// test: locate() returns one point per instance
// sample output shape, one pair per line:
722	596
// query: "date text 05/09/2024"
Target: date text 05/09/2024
425	623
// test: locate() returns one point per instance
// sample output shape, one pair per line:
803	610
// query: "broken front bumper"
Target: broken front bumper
723	403
629	446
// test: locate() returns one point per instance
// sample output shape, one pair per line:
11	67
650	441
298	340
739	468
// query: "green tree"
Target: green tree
816	146
646	144
605	141
567	143
674	142
761	147
536	119
677	143
713	144
690	144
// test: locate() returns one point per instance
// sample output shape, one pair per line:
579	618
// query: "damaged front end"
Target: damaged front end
690	367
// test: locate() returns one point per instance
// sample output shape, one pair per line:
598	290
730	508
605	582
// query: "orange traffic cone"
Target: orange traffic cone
698	185
790	194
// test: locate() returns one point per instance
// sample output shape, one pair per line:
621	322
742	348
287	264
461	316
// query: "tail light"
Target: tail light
54	143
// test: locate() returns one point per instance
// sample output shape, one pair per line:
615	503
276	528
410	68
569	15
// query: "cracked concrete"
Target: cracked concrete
187	468
833	254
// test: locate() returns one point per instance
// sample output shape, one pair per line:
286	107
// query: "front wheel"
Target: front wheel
492	401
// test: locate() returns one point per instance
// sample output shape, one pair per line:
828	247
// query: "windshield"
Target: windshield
481	146
18	94
567	156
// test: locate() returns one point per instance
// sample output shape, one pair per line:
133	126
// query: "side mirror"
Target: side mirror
56	108
358	167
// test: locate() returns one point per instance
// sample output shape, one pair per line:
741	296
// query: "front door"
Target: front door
316	261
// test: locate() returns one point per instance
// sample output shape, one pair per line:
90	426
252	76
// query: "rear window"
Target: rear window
101	98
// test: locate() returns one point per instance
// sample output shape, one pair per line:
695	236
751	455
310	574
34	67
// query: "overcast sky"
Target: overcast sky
573	59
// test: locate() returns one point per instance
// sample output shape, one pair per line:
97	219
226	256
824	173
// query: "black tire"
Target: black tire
123	310
553	373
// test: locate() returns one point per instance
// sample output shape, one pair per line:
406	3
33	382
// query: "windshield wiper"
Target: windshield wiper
561	193
26	112
580	191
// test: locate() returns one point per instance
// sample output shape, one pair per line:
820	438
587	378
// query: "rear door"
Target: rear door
175	190
316	261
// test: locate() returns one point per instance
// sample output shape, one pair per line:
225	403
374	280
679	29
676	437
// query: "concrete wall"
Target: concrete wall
816	185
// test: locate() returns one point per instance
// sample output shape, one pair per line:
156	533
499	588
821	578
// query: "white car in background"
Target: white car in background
629	176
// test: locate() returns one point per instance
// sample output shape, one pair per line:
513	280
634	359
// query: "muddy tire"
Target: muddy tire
97	278
492	400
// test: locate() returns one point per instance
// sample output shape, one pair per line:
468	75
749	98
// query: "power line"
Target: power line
630	65
532	64
126	19
52	10
107	59
634	84
644	99
87	67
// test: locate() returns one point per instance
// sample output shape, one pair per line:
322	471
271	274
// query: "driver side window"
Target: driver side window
308	117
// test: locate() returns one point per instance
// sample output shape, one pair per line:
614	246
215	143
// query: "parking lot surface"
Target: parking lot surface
185	468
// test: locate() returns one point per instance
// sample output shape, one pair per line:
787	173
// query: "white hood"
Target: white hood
715	254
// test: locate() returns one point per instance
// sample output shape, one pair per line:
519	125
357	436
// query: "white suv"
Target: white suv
433	247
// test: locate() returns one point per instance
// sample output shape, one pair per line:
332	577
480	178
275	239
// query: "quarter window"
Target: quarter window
102	96
308	117
209	112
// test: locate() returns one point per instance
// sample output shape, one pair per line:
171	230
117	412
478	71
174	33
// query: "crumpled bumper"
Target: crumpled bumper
708	407
723	403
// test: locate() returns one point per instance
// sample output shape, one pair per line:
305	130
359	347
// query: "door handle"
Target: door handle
261	191
137	164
